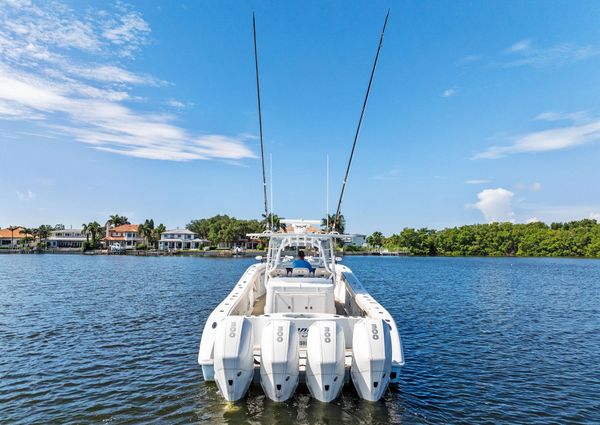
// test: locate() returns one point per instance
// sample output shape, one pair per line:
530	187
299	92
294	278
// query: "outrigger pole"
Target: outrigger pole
262	147
362	114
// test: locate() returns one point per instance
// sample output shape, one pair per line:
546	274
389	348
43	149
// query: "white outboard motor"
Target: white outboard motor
325	358
372	358
279	364
233	357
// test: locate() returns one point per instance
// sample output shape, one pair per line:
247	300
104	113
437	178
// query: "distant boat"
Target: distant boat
116	248
282	325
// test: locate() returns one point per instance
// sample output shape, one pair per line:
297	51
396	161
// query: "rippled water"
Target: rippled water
88	339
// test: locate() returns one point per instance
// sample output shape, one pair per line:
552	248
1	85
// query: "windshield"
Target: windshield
283	250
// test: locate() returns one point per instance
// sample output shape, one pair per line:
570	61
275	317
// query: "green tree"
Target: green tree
146	230
376	239
329	224
117	220
157	232
274	221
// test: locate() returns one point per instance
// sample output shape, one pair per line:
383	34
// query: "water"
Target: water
91	339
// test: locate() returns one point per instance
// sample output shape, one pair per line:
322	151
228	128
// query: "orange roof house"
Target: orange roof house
6	236
125	235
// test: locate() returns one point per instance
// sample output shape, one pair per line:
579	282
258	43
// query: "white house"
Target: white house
180	239
68	238
355	240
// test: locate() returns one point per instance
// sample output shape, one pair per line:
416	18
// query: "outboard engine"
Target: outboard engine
372	358
233	357
279	364
325	358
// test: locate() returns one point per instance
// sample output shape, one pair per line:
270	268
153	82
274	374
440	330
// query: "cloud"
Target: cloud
524	53
389	175
450	92
535	187
569	135
495	205
559	213
532	220
465	60
579	116
477	181
65	73
520	46
28	195
177	104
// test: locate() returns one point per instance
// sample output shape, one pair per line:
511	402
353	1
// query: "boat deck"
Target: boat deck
259	307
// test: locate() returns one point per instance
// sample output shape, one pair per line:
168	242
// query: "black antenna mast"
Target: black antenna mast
262	147
362	114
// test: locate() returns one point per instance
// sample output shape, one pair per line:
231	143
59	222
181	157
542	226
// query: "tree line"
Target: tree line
571	239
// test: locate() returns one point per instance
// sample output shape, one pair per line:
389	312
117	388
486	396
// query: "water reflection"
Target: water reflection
301	409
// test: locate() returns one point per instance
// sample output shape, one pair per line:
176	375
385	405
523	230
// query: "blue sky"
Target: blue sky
480	111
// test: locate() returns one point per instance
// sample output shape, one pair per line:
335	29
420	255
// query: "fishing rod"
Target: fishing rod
262	146
362	114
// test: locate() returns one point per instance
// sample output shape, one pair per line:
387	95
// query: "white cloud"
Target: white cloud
113	74
579	116
567	136
129	31
65	73
519	46
28	195
496	205
595	216
532	220
477	181
535	187
450	92
389	175
177	104
524	53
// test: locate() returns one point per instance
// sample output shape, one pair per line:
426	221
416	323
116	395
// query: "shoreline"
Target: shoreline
252	254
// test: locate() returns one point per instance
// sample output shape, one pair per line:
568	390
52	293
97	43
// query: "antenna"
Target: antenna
362	114
262	146
327	193
271	183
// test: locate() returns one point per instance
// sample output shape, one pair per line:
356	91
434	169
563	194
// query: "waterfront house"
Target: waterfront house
355	240
67	238
126	236
180	239
12	238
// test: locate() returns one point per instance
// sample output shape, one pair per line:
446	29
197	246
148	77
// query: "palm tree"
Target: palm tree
27	235
117	220
44	231
146	230
12	231
85	229
329	223
273	220
95	229
158	230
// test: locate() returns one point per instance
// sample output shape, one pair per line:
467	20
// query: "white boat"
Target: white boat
282	326
116	248
285	326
